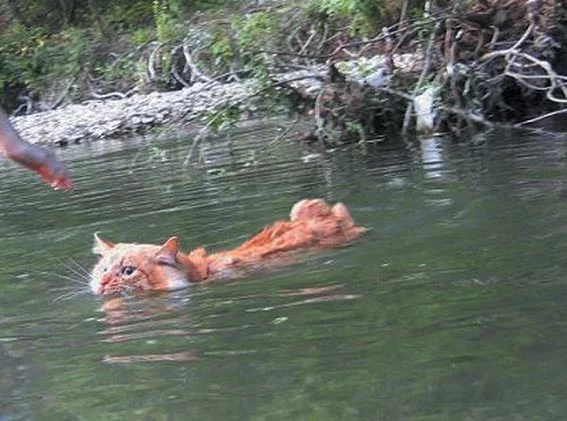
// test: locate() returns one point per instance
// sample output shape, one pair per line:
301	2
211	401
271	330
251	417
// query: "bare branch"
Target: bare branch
194	70
541	117
152	61
555	82
175	72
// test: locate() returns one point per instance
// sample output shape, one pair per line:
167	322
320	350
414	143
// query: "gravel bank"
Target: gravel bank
99	119
137	114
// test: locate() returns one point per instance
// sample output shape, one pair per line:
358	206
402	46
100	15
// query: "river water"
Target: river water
453	307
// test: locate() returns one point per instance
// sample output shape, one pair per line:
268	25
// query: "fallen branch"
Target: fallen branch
337	50
178	77
151	62
194	69
175	72
306	44
396	93
541	117
200	136
556	82
108	95
28	105
280	136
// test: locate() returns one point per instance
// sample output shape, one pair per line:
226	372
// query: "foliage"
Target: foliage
256	34
141	36
47	40
56	15
129	16
163	19
225	116
114	48
30	58
361	13
362	17
243	43
16	63
222	50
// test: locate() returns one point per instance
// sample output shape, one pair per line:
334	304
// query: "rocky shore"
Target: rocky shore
98	119
140	113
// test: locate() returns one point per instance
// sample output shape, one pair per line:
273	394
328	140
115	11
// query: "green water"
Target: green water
452	308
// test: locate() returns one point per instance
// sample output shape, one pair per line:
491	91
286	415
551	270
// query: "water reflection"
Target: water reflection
315	300
184	356
432	156
156	317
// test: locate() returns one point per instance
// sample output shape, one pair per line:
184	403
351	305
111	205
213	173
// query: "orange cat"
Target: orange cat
126	267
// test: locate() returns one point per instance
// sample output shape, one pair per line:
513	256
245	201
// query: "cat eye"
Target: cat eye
128	270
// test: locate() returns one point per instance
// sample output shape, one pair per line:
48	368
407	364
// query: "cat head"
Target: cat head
125	267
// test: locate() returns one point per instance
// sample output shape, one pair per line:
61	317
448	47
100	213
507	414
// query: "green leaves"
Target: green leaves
222	117
362	14
33	59
163	20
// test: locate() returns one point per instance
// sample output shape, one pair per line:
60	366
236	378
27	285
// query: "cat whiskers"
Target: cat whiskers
72	293
79	278
80	268
77	288
80	271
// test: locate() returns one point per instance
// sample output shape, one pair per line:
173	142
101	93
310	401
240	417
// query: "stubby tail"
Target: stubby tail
332	226
318	208
313	224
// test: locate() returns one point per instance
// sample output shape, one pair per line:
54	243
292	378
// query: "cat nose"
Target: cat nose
106	278
105	283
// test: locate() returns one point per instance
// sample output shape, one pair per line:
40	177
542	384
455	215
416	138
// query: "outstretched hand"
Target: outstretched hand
39	159
46	164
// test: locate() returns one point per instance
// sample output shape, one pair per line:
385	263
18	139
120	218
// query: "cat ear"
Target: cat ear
167	254
101	246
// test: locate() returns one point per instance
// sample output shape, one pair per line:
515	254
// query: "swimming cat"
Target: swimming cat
125	267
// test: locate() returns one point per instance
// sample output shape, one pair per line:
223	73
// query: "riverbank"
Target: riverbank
352	87
138	114
171	111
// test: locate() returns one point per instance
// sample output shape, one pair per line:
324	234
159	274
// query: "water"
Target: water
452	308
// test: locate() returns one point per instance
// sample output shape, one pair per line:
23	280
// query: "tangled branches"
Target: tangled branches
449	67
505	60
497	62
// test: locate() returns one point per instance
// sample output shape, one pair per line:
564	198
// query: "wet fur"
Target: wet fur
126	267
